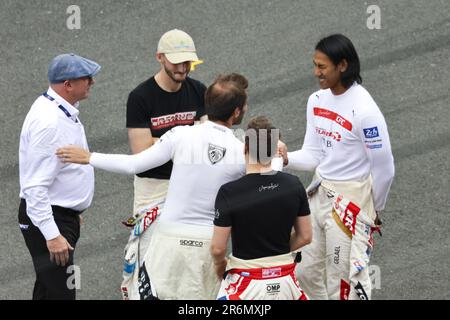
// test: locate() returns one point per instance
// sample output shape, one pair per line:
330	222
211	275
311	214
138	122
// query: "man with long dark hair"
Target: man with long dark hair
347	144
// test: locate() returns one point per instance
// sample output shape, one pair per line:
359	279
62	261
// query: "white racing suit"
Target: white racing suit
149	197
270	278
179	264
336	263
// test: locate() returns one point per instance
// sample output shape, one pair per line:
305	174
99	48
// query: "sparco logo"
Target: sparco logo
191	243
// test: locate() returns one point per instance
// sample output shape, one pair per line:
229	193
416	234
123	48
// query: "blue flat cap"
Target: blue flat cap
69	66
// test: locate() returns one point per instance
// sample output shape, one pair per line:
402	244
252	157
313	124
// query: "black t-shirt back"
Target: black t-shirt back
261	210
149	106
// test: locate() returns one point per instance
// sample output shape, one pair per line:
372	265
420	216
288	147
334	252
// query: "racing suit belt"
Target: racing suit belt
274	261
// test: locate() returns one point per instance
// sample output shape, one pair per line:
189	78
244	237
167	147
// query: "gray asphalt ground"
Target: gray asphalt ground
405	66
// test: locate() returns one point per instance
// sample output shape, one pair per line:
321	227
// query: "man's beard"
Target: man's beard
172	76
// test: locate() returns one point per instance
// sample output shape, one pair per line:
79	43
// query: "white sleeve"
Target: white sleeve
44	167
308	157
375	135
155	156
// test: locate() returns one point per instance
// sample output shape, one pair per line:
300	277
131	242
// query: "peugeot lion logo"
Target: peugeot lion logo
215	153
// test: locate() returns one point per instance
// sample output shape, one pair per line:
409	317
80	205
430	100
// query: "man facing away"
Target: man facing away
260	210
53	195
178	264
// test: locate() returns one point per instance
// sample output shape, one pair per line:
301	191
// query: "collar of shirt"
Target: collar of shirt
218	126
72	109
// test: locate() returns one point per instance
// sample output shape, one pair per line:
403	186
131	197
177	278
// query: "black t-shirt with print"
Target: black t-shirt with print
261	210
151	107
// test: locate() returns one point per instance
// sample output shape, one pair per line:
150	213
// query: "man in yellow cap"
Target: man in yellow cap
166	100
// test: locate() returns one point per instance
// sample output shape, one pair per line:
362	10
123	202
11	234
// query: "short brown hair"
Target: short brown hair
224	96
235	77
261	139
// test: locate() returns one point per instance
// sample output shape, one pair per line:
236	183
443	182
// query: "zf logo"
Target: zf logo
273	287
191	243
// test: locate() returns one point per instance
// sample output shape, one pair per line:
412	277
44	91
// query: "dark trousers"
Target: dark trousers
51	280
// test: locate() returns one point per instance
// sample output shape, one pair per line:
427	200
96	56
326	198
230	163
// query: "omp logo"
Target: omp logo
191	243
273	287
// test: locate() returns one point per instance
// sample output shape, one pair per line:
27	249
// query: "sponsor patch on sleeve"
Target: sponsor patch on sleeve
374	146
371	133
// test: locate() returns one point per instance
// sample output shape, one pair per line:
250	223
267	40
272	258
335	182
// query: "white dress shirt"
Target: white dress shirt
44	179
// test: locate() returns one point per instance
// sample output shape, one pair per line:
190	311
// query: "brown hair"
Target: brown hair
235	77
261	139
224	96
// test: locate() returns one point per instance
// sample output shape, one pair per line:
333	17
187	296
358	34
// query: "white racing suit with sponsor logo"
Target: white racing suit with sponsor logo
336	263
149	197
185	248
269	278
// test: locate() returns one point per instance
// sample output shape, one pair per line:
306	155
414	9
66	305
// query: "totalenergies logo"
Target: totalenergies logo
334	135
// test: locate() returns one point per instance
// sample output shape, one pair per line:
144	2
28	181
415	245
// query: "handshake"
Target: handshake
282	152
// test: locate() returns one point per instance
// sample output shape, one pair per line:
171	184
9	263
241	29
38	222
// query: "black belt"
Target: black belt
57	208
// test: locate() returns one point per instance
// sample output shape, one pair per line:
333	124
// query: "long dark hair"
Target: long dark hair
338	47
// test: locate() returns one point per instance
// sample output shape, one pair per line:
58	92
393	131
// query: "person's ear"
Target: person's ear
68	85
159	57
343	65
237	112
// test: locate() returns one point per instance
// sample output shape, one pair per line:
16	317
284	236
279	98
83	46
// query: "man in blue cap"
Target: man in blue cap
53	194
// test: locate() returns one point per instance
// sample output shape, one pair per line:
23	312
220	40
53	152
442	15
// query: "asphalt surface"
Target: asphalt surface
405	66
